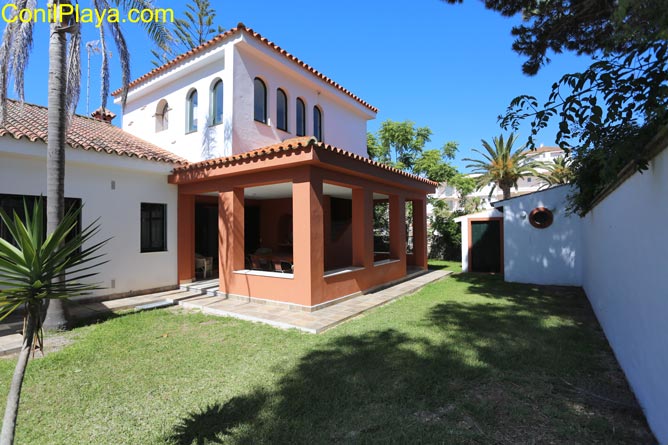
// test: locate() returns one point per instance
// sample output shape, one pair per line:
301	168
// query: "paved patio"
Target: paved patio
204	296
290	318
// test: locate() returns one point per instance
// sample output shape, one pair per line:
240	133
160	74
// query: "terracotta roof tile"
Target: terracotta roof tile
242	28
292	145
30	121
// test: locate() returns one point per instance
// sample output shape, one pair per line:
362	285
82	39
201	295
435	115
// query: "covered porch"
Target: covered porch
302	223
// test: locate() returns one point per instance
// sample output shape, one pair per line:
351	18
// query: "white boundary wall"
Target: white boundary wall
88	175
625	242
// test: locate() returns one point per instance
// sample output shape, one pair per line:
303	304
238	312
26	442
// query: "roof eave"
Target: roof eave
256	36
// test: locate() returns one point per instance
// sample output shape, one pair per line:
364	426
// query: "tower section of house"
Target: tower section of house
238	92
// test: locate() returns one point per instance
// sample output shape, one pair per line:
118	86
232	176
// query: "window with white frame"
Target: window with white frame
217	102
191	111
162	116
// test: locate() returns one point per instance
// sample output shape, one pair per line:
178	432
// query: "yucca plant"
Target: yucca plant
501	166
36	268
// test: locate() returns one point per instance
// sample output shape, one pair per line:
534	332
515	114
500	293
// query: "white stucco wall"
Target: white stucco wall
344	119
464	221
542	256
237	61
626	279
174	85
88	176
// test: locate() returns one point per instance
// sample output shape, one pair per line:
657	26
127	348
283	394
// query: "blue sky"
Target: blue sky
449	67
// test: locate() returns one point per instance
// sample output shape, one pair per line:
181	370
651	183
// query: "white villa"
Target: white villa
238	147
213	148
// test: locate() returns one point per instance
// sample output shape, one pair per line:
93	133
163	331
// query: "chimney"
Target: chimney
103	114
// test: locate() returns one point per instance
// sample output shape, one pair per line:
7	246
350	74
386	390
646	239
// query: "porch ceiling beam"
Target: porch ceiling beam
342	179
313	154
330	160
254	179
256	164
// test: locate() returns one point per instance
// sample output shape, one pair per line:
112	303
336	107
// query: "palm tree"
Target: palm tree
501	166
63	91
32	271
196	28
557	172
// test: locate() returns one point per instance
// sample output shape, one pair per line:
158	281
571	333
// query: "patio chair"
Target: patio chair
205	264
259	262
283	267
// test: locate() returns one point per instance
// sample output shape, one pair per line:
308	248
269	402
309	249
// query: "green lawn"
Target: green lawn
469	359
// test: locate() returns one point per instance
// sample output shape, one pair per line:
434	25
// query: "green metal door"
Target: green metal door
486	246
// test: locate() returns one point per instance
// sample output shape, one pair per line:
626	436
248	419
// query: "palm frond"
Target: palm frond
20	53
5	64
73	85
123	53
124	57
156	30
500	165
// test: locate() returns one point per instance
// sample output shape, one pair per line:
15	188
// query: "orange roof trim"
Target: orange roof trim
242	28
24	120
290	146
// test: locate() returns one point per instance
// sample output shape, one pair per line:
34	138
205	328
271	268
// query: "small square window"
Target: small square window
153	227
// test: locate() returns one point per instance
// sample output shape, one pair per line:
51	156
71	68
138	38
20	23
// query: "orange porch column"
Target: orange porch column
420	233
230	235
362	228
186	238
397	227
308	237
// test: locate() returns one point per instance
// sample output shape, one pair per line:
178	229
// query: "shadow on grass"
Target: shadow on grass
440	265
563	301
91	313
517	369
216	420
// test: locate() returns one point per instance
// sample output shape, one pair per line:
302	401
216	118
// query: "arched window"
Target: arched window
260	101
317	123
191	112
301	118
217	102
281	110
162	116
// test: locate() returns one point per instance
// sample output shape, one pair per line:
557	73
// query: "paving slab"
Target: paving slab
311	322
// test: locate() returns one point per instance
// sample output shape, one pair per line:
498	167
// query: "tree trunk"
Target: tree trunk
506	192
56	316
12	409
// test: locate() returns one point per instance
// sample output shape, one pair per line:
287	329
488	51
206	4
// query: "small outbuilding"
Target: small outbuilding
482	241
530	238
